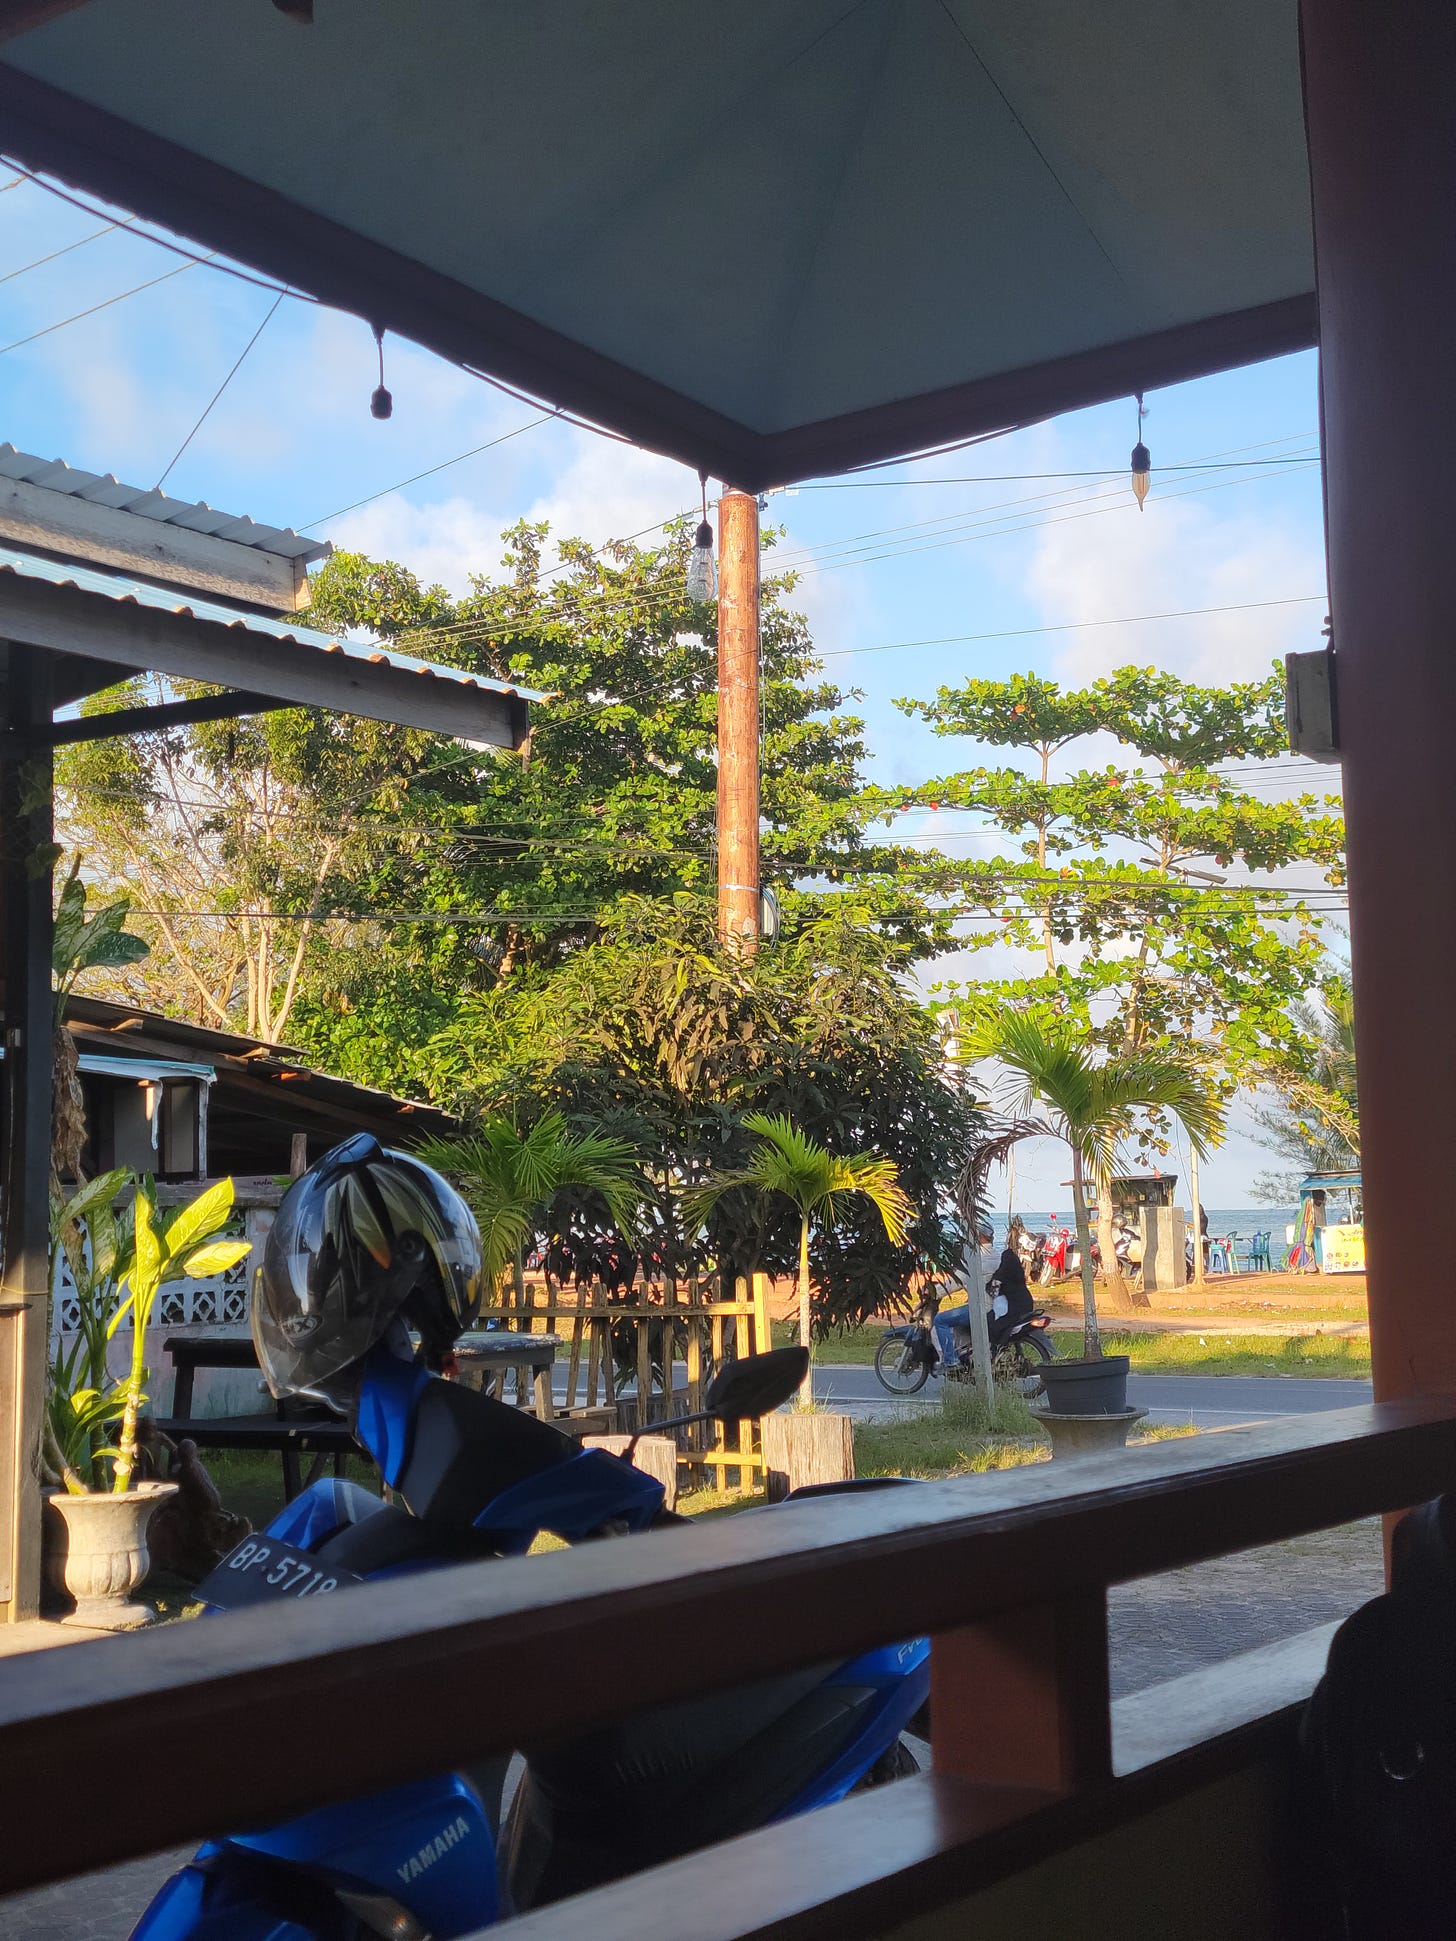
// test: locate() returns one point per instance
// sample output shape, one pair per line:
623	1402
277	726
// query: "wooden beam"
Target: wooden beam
166	714
758	1595
229	212
68	527
1022	1698
69	620
19	16
1380	106
73	678
25	1084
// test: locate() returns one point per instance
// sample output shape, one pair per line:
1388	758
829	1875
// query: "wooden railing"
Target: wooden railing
663	1318
265	1713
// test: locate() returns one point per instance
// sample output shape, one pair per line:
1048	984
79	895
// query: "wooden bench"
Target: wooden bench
292	1429
297	1428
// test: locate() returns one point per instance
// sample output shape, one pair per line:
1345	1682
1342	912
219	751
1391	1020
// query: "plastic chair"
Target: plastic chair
1218	1256
1261	1260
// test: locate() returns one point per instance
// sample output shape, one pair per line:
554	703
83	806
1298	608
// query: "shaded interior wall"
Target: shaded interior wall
1207	1867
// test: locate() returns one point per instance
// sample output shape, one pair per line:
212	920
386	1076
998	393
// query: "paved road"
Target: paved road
1208	1401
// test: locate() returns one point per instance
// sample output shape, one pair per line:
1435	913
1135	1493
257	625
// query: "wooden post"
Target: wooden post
654	1456
745	1430
762	1321
719	1440
738	752
1380	106
1022	1699
574	1365
298	1156
803	1446
643	1325
25	955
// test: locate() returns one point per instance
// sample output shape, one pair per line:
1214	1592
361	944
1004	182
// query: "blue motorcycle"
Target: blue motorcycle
472	1478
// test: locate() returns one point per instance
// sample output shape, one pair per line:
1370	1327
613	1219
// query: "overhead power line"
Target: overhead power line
65	250
207	408
429	472
105	304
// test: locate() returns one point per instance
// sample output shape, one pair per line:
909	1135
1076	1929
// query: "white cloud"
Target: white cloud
1174	556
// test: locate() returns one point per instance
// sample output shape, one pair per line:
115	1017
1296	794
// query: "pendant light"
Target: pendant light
381	404
702	573
1142	463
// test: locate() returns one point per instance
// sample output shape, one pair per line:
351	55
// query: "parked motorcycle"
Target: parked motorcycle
472	1479
908	1356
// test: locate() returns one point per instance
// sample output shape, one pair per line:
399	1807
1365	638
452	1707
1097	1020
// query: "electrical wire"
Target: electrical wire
963	444
327	518
653	601
133	228
105	304
207	408
65	250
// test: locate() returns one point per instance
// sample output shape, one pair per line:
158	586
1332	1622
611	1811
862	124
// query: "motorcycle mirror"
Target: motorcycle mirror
755	1384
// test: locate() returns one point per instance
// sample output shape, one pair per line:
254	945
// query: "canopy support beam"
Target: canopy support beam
25	1086
1380	104
141	721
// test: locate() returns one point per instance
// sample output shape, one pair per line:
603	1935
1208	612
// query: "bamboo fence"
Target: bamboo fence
660	1324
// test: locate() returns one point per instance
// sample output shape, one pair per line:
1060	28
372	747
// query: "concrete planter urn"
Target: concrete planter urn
1087	1387
96	1552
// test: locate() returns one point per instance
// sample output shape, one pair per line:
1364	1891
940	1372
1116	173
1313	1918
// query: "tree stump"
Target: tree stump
804	1446
654	1456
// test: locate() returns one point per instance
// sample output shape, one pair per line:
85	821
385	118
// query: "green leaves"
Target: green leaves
82	943
515	1180
192	1223
786	1162
84	1402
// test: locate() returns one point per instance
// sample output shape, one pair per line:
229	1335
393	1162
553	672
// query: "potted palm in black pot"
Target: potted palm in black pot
1091	1101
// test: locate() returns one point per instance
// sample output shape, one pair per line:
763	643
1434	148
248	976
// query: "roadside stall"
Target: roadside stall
1329	1235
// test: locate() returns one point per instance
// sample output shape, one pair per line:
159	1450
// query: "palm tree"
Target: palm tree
511	1179
789	1164
1092	1103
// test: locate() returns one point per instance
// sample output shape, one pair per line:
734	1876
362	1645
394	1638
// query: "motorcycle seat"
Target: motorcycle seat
666	1782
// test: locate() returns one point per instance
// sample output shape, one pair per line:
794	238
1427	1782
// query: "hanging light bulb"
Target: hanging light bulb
1142	462
702	573
381	404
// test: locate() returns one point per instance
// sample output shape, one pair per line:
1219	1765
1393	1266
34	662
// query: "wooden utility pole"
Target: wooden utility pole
738	754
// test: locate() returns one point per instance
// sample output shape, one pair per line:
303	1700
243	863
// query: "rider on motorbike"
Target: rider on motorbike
1011	1302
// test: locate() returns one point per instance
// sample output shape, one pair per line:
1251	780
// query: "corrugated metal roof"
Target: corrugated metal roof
102	489
141	1069
117	586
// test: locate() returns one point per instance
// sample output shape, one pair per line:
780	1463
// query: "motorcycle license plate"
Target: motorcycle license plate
260	1570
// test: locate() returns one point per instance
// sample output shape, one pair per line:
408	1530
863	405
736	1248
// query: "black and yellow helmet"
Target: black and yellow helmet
366	1237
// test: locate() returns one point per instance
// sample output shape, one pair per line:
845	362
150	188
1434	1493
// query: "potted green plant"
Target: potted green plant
98	1514
1091	1101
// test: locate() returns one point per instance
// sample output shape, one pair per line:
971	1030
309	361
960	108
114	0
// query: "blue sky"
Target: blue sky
910	558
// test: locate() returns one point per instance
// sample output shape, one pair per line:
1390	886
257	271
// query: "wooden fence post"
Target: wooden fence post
762	1323
802	1446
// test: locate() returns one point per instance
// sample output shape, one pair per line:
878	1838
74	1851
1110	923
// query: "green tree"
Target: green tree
656	1035
1314	1122
1143	887
1094	1101
346	883
814	1181
514	1181
240	837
